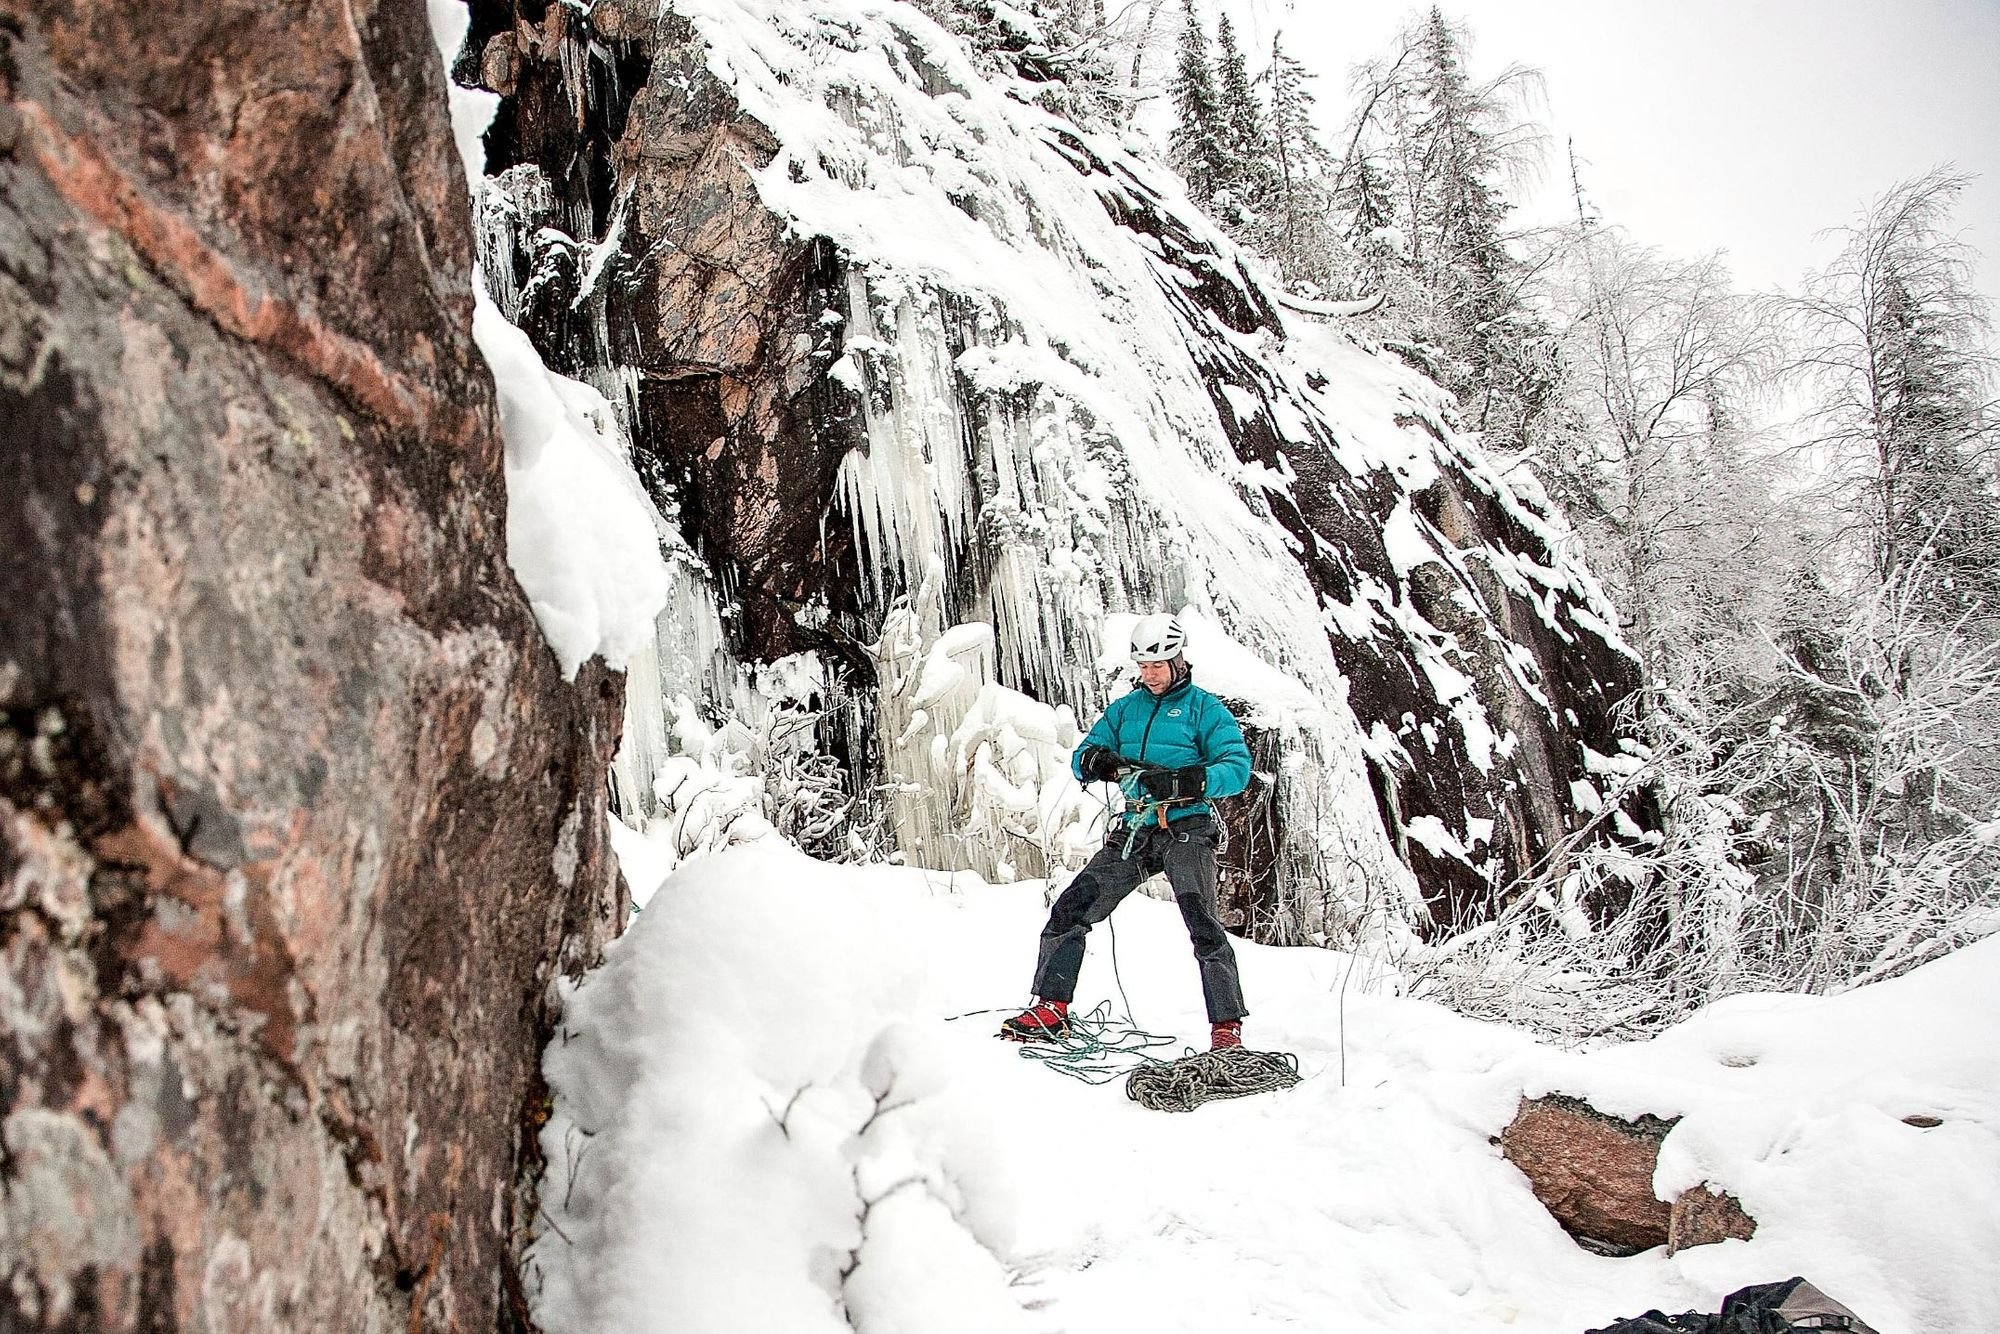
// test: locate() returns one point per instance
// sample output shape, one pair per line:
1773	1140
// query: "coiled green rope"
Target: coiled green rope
1099	1047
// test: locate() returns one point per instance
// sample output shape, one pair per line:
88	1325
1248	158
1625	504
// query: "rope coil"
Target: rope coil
1234	1072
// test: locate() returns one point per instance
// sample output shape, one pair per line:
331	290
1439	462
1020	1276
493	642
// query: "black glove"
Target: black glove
1099	765
1164	785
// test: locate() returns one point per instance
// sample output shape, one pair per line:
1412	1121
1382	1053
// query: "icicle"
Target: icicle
908	494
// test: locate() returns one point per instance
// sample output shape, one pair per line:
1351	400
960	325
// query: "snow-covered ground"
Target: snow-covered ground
780	1106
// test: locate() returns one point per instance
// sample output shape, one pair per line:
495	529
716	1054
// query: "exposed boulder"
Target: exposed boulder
1594	1173
300	819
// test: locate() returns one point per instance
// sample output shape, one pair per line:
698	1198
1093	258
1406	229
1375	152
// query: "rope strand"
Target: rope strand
1099	1047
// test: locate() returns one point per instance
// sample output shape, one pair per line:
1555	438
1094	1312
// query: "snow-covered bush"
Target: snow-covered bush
1836	824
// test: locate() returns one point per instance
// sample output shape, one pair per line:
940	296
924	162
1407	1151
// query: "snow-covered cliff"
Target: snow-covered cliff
938	387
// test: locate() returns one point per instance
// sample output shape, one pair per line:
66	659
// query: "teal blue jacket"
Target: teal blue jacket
1184	726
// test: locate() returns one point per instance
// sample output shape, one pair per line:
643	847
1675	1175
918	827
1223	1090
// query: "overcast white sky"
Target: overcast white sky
1749	126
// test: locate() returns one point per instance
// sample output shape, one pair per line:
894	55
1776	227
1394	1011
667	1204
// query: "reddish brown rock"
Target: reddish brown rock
1701	1216
298	821
736	425
1594	1173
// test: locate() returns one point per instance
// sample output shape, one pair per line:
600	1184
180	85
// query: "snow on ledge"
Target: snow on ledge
583	539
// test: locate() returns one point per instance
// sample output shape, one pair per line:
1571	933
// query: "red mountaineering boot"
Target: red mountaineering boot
1228	1033
1044	1021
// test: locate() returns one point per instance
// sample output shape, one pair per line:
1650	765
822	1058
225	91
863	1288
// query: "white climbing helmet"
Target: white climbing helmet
1157	638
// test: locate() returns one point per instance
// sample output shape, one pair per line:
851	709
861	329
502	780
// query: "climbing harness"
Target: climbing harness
1145	808
1205	1076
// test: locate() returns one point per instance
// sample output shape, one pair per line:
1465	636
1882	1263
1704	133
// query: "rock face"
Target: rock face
711	306
1594	1173
782	392
300	820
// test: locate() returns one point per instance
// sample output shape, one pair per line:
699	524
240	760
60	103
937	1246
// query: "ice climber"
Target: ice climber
1170	745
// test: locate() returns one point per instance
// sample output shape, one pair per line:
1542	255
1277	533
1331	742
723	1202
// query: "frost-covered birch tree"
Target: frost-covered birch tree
1822	705
1662	358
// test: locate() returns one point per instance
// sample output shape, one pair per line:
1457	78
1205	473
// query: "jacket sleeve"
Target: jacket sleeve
1103	733
1224	755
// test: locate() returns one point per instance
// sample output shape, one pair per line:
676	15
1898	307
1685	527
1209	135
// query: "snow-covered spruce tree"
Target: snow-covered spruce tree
1260	172
1299	230
1892	840
1196	142
1247	178
1896	349
1364	196
1447	145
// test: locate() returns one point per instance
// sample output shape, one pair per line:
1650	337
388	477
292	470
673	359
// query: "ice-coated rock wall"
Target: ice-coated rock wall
941	387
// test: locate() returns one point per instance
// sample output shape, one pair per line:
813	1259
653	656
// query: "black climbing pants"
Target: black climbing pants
1186	852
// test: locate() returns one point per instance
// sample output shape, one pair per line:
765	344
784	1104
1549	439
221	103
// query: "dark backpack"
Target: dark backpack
1766	1308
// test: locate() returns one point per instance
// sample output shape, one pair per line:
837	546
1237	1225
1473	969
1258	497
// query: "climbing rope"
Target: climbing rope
1099	1047
1233	1072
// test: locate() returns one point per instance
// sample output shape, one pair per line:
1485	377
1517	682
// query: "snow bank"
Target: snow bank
1861	1131
738	1148
767	1118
